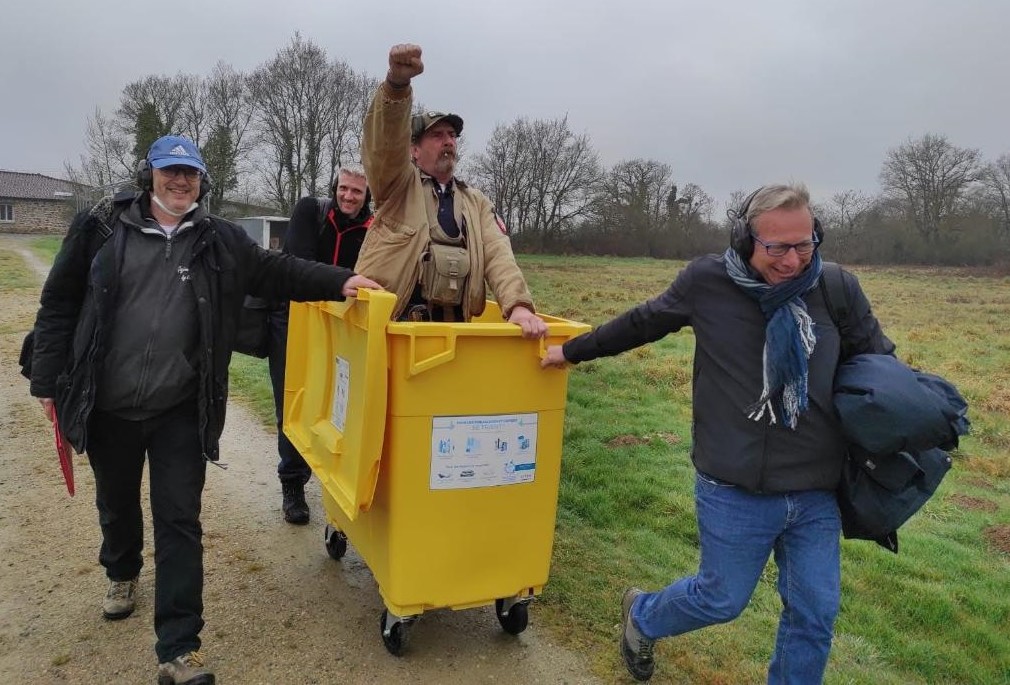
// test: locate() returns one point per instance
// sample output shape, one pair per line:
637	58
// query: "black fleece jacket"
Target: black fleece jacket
79	300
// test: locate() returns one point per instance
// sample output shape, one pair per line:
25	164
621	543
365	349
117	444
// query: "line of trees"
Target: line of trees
269	137
282	132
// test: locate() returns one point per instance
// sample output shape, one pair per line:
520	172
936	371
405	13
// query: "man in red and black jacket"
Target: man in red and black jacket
328	230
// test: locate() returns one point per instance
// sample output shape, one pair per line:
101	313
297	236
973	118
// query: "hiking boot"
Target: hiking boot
187	669
295	509
635	647
120	600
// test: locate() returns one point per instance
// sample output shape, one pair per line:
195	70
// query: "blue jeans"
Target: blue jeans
291	468
738	531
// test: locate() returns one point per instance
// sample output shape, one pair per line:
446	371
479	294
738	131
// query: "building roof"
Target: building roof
25	186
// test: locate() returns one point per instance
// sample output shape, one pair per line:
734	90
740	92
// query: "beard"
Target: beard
446	162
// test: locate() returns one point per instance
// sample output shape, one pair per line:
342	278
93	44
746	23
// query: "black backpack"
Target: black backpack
101	218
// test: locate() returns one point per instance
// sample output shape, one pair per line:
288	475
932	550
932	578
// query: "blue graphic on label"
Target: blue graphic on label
482	451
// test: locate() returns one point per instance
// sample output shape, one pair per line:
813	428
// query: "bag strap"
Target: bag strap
325	205
836	297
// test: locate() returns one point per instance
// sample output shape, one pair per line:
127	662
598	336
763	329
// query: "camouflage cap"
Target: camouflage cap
422	122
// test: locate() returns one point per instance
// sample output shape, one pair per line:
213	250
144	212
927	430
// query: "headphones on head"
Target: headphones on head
741	238
145	179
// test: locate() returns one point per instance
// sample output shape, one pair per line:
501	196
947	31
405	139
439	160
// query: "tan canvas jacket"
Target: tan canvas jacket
406	208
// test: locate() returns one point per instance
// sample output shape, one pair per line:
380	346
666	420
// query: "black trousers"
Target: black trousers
177	470
291	468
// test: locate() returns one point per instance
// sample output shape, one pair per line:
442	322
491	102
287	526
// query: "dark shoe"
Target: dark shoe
296	511
635	647
187	669
120	600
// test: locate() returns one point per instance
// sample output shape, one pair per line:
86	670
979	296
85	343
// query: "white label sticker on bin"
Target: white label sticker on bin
483	451
341	383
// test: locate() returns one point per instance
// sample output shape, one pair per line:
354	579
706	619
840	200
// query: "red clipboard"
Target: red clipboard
66	455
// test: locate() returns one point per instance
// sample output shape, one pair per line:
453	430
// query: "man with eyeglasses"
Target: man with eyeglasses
767	448
435	240
132	345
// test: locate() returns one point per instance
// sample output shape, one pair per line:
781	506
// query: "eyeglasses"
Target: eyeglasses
782	249
189	172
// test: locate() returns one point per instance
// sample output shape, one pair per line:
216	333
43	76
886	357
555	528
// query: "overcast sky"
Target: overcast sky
729	94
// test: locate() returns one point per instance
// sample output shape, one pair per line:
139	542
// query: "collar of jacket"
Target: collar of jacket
139	214
344	222
425	176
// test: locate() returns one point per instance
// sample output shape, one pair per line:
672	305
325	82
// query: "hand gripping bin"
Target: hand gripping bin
438	449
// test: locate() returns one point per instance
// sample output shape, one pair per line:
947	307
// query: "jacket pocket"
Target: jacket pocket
390	232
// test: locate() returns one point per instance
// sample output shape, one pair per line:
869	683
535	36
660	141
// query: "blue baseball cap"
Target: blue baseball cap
172	150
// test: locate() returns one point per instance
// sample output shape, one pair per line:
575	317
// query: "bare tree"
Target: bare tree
150	108
847	212
539	174
930	175
107	159
639	200
351	93
295	109
502	172
229	113
996	180
194	111
693	209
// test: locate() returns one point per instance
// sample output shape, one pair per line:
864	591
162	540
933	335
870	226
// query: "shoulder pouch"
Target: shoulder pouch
444	270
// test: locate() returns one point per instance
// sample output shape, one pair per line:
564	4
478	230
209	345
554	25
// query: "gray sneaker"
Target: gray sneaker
187	669
636	649
120	600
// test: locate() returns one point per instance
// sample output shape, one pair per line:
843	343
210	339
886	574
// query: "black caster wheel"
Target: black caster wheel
516	620
395	636
336	543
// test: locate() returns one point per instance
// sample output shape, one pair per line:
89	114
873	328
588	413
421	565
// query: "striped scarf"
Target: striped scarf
789	339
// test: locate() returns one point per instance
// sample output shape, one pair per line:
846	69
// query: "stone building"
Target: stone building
33	203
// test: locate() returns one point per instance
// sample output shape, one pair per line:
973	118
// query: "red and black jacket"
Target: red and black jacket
319	231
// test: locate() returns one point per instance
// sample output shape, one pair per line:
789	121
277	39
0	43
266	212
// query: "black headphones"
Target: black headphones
741	238
145	179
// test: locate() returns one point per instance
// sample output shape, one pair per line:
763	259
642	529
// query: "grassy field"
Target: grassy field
939	612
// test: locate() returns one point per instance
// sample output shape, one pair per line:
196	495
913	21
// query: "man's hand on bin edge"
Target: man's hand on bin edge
404	64
532	325
356	281
555	358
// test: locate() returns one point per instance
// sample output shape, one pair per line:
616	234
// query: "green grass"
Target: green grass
250	385
14	273
46	247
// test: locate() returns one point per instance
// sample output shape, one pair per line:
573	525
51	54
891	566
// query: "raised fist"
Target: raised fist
404	64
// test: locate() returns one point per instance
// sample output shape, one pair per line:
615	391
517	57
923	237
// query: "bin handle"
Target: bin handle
420	366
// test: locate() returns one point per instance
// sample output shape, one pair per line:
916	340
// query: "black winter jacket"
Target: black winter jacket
729	330
328	236
72	323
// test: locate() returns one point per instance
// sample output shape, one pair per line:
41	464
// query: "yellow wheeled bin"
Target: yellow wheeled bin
438	449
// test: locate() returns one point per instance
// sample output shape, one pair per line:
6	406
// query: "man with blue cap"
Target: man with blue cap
132	345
